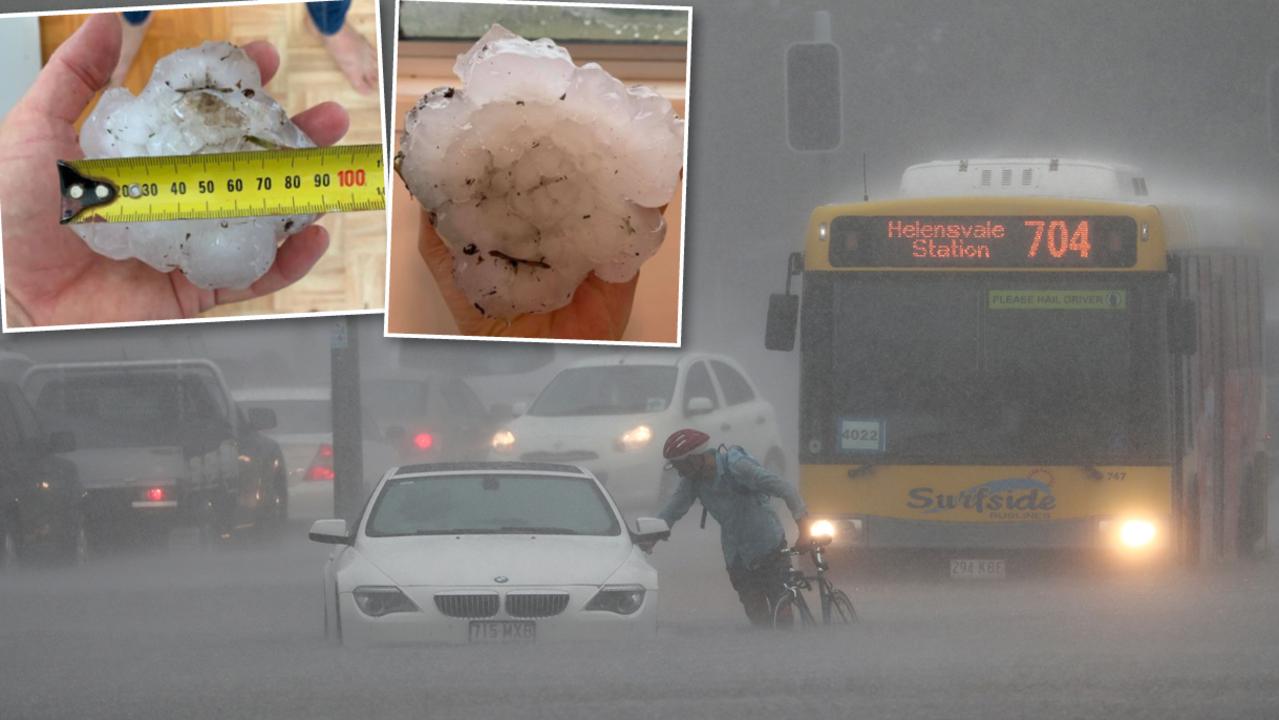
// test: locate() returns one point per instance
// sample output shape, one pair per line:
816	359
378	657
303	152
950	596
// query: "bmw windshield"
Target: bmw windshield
491	504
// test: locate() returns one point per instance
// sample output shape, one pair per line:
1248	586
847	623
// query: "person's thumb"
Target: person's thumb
77	70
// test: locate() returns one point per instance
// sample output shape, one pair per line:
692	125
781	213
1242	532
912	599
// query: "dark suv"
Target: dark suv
161	444
41	499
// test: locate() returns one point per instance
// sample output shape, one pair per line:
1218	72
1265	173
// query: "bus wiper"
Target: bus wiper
545	530
1091	471
861	470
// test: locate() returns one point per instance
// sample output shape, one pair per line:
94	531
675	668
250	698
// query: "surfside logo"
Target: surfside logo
1024	498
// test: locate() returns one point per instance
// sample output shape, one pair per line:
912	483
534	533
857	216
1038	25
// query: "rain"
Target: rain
231	624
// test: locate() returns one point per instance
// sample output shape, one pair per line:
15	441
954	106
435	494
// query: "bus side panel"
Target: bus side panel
1220	498
1205	413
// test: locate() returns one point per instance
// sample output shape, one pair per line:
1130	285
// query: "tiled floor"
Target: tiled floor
351	276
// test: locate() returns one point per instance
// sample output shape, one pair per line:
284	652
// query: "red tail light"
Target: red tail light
155	494
423	441
321	467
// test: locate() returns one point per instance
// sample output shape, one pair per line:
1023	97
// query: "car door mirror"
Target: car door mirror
61	441
261	418
519	409
650	529
332	531
699	405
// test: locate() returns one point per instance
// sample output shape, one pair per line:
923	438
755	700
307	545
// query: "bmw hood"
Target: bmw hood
478	560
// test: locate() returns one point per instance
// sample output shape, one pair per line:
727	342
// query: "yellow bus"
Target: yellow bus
982	375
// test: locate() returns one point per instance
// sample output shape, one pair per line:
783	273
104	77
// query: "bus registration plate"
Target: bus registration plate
502	631
977	569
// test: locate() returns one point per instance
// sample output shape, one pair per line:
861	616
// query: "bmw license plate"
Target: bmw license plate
502	631
977	569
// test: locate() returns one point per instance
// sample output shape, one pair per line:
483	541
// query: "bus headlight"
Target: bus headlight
1137	534
822	531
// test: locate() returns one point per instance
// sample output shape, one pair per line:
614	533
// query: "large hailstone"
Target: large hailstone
199	100
538	172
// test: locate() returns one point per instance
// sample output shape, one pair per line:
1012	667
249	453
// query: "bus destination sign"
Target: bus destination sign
1022	241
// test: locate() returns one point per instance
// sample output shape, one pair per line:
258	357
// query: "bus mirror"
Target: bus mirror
794	265
1183	328
783	315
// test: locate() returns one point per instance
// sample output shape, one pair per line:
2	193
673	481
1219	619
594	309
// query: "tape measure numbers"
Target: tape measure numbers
305	181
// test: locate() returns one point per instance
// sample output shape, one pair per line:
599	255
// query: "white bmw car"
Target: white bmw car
488	552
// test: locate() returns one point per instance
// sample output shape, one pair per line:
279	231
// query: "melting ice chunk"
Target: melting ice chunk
537	172
199	100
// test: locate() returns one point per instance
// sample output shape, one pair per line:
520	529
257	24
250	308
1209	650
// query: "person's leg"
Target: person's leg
750	591
353	54
135	29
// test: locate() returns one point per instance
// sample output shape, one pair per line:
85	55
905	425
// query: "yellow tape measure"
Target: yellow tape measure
306	181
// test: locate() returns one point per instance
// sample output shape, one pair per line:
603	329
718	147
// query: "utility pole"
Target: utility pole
348	453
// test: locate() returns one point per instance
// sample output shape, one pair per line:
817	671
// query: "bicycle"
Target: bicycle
836	607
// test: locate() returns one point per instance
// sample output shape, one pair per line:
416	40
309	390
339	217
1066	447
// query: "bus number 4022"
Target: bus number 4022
1059	238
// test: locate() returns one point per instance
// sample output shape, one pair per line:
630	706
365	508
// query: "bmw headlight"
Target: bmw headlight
379	600
620	599
635	438
503	441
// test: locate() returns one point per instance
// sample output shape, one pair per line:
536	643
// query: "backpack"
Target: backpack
733	453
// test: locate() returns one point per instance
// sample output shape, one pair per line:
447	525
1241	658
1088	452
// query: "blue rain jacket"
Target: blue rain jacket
738	499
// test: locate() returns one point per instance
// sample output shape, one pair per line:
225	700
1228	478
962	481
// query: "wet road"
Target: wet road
235	632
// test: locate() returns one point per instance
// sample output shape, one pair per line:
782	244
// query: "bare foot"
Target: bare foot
130	41
355	57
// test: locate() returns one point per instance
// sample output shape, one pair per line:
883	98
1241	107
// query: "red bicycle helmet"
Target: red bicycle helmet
683	443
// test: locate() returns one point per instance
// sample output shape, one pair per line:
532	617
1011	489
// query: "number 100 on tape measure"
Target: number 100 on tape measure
306	181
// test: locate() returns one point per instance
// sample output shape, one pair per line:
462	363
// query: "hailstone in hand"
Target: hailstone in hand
537	172
199	100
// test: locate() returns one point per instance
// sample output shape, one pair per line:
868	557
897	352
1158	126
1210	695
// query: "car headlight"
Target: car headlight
635	438
503	441
620	599
379	600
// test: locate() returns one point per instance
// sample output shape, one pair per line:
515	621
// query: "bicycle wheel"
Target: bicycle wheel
790	607
841	609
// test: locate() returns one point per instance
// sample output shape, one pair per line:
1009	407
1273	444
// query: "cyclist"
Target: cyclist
735	489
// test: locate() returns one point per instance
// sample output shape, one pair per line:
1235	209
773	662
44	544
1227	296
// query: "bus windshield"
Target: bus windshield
993	368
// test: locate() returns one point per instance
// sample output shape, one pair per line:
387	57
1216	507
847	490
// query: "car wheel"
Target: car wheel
75	548
282	498
9	555
209	531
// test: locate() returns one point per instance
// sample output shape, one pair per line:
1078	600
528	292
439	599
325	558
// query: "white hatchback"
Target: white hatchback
488	553
612	414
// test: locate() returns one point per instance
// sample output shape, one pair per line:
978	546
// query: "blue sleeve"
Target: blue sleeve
677	507
756	478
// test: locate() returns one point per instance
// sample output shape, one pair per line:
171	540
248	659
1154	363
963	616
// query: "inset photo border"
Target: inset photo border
323	66
640	45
